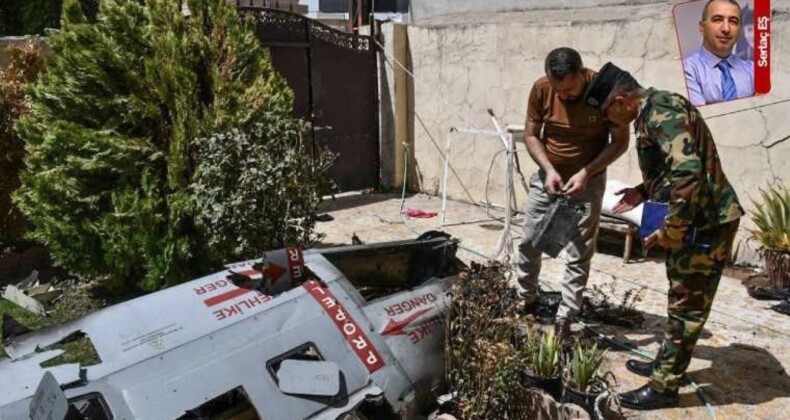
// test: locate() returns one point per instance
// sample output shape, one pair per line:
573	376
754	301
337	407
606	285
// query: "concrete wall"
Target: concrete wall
425	9
464	64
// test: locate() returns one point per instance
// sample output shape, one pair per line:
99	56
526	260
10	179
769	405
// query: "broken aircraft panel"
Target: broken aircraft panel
208	346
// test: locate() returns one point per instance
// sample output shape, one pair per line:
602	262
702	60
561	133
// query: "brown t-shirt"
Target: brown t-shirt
574	133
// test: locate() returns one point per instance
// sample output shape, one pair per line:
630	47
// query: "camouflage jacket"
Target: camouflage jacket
680	165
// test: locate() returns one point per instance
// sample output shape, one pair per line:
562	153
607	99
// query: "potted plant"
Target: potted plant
581	376
772	218
544	370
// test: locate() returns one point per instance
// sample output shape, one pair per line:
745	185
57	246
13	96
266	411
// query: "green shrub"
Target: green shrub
28	17
115	183
772	217
583	365
545	355
255	191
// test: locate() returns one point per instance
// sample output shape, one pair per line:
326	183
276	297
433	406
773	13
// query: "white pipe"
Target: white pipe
444	175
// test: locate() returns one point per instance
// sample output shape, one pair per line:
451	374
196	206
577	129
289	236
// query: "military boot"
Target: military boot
647	398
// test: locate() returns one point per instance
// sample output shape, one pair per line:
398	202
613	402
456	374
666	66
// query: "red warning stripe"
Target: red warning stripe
222	297
354	335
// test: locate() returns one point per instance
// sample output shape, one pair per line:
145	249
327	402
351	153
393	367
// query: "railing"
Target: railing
287	5
292	22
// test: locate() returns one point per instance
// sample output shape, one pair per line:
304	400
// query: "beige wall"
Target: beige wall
465	64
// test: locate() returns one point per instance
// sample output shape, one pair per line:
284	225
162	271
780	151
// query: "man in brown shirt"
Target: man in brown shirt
570	142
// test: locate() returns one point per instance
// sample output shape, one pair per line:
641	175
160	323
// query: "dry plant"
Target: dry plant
486	352
603	305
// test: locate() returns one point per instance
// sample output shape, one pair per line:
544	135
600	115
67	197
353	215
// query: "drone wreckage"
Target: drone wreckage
325	334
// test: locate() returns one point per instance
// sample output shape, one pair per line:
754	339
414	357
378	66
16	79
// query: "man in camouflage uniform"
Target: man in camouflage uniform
680	166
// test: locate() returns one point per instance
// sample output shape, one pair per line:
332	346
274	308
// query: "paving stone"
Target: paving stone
740	363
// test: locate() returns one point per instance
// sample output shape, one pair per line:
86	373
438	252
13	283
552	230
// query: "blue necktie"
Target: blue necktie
728	90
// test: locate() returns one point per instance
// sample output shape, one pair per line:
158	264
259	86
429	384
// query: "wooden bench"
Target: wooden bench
630	231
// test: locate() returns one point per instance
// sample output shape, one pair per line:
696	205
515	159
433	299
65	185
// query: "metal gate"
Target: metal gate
334	78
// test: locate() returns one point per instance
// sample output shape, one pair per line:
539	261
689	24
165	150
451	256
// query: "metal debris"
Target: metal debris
31	295
18	296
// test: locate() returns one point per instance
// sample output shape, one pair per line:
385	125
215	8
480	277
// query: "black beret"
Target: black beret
602	84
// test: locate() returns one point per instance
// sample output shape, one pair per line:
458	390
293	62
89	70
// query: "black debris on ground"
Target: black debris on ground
783	308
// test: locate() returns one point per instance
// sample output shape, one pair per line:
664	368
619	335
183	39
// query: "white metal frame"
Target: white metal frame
506	137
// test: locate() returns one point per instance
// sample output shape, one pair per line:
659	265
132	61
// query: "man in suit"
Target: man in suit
713	72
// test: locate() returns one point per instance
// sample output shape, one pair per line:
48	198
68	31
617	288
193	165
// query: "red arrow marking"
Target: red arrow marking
396	327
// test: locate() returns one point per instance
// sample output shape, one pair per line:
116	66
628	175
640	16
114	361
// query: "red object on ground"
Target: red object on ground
421	214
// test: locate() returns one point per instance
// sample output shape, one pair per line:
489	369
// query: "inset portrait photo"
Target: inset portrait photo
716	39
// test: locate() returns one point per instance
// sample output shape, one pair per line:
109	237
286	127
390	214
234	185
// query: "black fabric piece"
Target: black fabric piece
12	329
548	305
783	308
324	217
557	227
602	84
768	293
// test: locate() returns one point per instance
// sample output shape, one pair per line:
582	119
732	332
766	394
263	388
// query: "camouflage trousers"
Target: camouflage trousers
694	275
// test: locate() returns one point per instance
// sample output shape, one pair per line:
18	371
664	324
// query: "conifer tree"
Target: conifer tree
112	183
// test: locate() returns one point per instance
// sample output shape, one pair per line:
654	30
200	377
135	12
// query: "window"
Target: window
88	407
307	351
234	404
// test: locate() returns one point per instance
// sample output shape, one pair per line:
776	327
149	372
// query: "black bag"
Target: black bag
558	226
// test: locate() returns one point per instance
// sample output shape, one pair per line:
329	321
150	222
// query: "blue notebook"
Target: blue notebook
653	216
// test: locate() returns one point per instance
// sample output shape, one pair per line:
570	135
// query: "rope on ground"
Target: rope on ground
635	351
616	277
